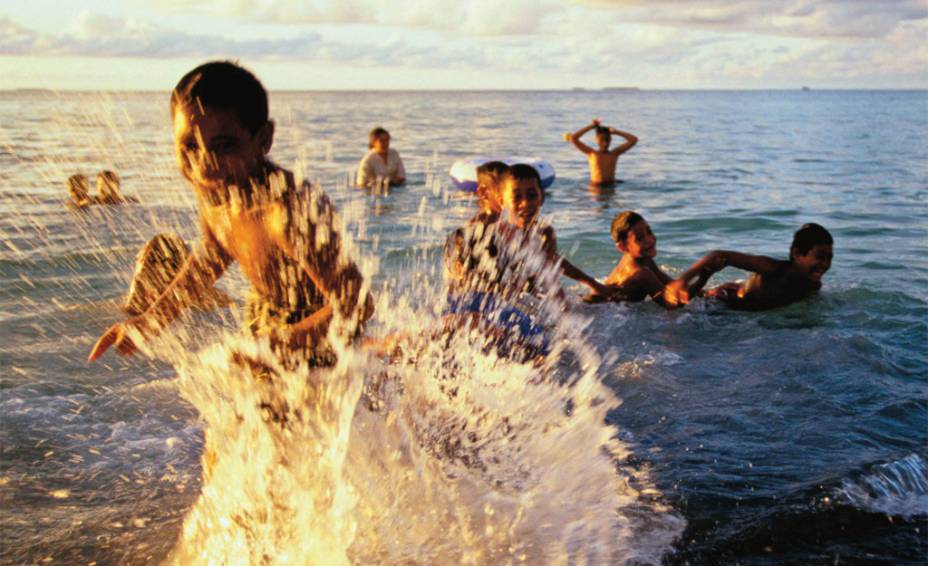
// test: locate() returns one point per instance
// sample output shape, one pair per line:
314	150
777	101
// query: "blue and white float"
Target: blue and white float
464	171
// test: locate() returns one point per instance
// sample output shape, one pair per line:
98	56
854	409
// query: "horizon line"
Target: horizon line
573	90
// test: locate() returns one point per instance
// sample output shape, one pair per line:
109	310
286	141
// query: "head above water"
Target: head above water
79	187
379	140
490	177
108	187
603	137
812	250
623	223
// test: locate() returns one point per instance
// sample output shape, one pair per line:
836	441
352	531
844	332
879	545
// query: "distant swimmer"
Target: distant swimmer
108	189
774	283
156	266
382	167
603	160
637	276
79	192
284	236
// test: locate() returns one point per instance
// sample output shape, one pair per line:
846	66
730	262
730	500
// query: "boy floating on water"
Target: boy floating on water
774	283
602	160
283	235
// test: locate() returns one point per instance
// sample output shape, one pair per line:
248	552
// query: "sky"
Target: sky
469	44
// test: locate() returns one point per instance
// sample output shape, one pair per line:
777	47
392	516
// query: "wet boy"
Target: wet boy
774	283
602	160
79	192
636	276
522	199
283	235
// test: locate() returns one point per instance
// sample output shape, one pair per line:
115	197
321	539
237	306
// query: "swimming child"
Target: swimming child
602	160
636	276
156	266
108	190
382	167
774	283
284	236
79	192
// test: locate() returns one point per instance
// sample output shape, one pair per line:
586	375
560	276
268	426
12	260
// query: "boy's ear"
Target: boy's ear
265	137
621	247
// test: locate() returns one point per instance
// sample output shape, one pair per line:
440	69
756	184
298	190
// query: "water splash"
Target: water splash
898	488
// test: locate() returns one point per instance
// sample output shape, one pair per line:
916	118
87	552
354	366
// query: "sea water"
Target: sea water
699	435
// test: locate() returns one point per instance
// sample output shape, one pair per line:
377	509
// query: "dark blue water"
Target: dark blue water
796	435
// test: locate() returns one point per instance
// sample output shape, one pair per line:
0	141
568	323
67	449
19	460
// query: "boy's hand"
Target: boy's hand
676	293
116	335
595	122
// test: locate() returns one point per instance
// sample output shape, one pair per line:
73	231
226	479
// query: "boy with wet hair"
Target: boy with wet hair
283	234
636	276
602	160
79	192
774	283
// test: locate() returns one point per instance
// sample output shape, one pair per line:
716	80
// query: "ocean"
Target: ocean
700	435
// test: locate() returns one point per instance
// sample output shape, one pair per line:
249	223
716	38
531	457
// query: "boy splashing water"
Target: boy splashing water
284	236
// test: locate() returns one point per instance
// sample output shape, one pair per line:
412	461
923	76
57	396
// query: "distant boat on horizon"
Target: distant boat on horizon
621	89
805	88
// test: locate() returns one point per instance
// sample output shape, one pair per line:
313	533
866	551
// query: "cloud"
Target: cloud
465	18
795	18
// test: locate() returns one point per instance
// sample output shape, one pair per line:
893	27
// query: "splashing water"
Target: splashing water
898	488
448	454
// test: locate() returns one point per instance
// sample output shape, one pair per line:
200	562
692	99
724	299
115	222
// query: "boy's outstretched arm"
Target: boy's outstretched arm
574	138
195	278
630	141
691	282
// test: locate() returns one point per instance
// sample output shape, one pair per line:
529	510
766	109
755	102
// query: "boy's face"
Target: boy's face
382	143
640	241
603	141
215	150
815	262
79	189
523	199
488	193
107	186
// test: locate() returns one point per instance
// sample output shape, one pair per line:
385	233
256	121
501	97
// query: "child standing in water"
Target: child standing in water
382	167
774	283
602	160
284	235
79	192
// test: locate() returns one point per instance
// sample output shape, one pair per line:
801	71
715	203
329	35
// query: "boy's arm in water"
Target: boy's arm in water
630	141
574	138
691	282
194	280
400	177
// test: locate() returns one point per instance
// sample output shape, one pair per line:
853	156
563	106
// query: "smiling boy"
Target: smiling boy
284	236
773	283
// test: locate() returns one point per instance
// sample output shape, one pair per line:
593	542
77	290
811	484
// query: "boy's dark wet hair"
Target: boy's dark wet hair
375	133
521	171
78	186
496	170
809	236
623	223
603	132
225	85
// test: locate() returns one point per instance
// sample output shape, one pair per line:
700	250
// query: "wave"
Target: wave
898	488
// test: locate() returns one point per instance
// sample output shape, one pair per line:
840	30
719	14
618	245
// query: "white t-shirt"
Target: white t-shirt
372	170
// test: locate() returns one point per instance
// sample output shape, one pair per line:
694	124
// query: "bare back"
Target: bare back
602	167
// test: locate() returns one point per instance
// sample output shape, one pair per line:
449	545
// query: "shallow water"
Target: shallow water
794	435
